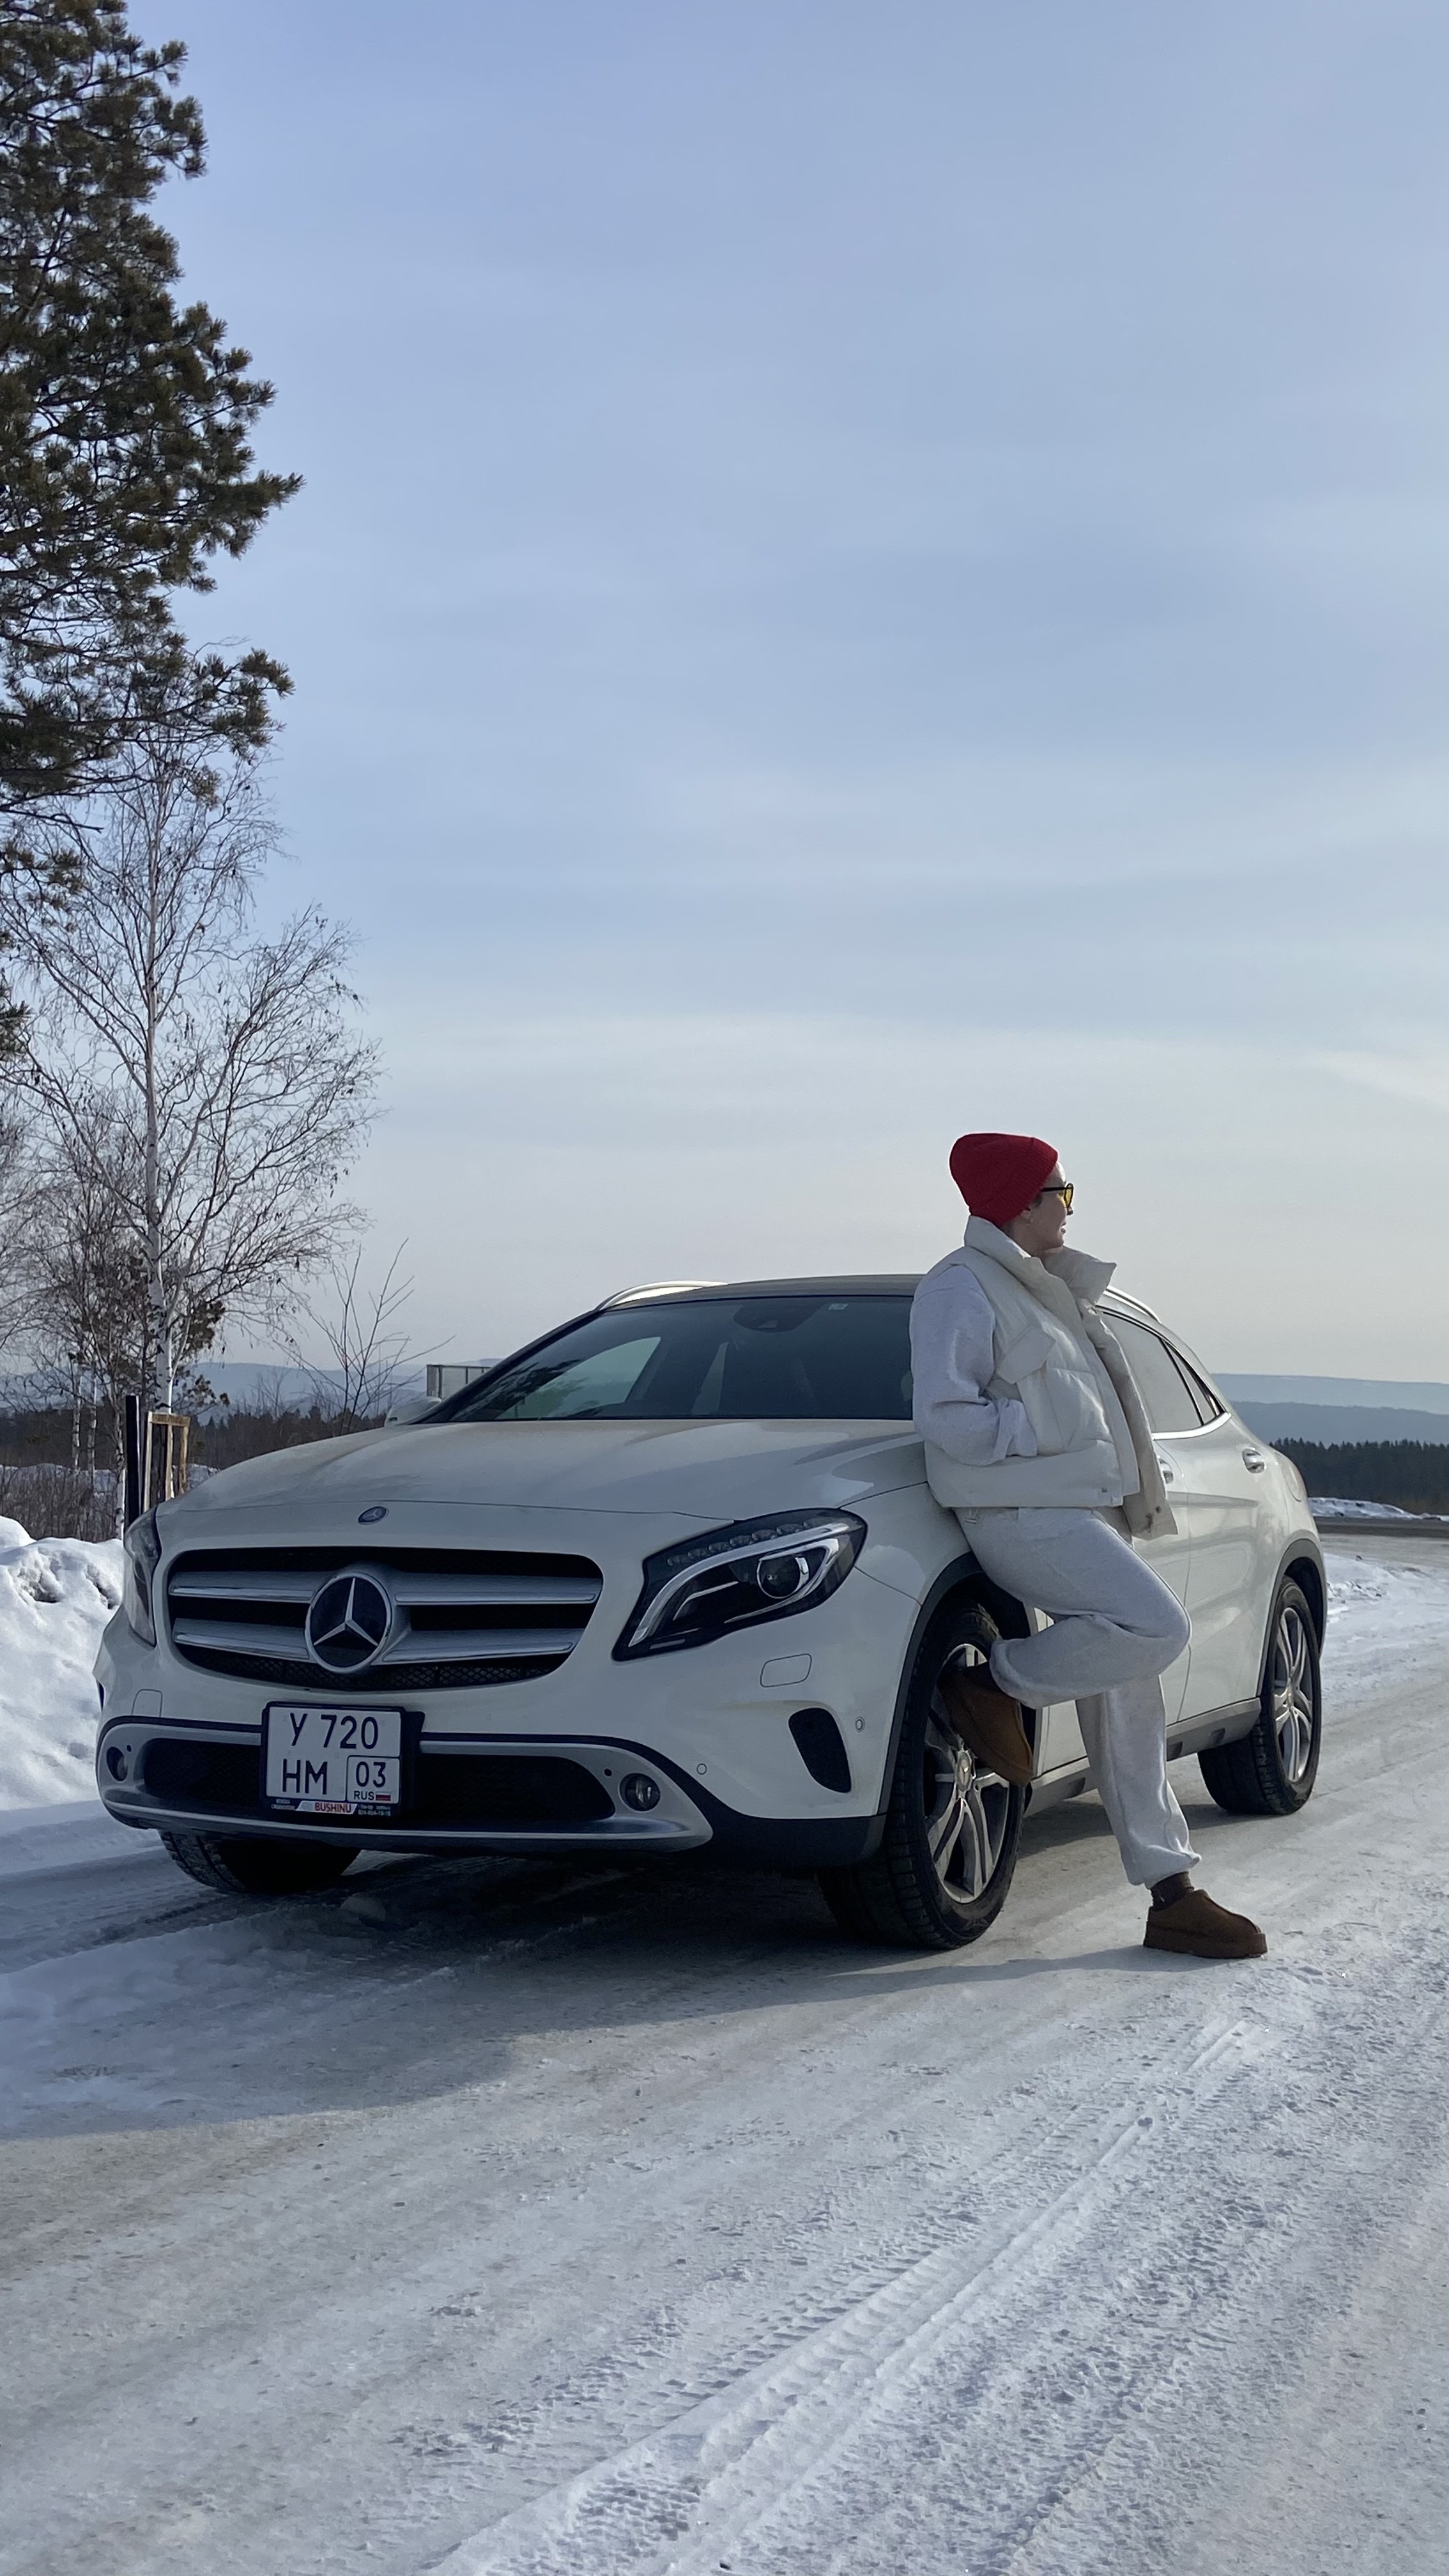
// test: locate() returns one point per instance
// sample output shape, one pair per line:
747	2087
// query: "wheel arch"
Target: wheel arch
1307	1572
959	1582
1246	1775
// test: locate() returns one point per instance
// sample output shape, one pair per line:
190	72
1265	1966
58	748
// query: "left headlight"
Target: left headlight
734	1577
143	1555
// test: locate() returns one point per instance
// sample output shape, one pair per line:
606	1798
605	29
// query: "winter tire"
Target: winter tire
248	1865
945	1863
1271	1772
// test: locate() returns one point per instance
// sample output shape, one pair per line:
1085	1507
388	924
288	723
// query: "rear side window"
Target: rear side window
1165	1392
1210	1407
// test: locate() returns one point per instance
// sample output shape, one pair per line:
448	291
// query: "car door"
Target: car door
1175	1421
1235	1551
1217	1480
1169	1557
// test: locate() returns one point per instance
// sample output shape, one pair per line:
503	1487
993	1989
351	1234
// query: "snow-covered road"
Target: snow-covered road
513	2221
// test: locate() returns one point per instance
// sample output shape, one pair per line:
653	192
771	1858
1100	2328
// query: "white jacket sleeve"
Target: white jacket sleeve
952	1361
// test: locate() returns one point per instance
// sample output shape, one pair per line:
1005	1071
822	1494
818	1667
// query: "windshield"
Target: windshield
718	1359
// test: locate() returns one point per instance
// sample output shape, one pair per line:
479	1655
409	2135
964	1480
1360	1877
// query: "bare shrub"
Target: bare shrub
51	1501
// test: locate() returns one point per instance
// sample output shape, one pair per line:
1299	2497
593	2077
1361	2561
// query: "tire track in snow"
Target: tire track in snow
945	2421
1187	2327
679	2354
731	2441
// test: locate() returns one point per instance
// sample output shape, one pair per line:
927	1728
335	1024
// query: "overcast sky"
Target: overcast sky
863	572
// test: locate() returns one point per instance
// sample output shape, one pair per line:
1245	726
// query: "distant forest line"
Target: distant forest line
1413	1474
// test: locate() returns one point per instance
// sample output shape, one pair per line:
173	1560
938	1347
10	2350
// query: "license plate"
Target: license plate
333	1761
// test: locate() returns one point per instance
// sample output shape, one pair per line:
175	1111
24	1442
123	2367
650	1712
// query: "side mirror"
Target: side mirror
415	1411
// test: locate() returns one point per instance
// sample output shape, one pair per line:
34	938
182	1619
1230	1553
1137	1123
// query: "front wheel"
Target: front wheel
1271	1772
256	1865
946	1859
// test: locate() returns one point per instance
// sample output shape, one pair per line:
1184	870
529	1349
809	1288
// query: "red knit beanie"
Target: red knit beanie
999	1176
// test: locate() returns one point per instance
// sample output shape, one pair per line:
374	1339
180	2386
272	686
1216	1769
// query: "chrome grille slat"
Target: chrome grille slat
494	1592
218	1608
476	1645
433	1645
247	1584
410	1591
220	1635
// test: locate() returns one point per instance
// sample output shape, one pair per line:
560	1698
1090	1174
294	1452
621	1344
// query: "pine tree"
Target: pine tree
125	415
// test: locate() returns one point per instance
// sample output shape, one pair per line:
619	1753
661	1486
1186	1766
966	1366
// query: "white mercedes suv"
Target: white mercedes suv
668	1580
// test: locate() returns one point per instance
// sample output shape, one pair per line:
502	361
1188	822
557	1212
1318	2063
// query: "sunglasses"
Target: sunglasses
1062	1190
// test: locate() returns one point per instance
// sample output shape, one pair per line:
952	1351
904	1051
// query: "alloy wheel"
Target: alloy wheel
1291	1687
967	1807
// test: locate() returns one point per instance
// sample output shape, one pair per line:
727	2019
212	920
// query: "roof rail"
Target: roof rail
655	1288
1119	1297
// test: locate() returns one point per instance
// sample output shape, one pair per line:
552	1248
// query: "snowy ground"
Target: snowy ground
56	1595
509	2221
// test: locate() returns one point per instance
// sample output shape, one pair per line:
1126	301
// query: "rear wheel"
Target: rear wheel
1271	1772
253	1865
945	1863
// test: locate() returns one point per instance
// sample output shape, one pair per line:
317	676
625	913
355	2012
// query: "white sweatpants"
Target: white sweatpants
1115	1629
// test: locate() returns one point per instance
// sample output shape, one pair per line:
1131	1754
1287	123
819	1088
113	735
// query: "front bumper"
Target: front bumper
536	1766
224	1796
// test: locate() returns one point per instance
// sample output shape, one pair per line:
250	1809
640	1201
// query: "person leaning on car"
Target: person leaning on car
1037	1439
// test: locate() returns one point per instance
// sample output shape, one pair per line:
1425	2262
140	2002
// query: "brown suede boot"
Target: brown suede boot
1192	1923
988	1723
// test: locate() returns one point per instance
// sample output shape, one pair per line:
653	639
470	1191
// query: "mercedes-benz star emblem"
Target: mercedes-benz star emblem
348	1623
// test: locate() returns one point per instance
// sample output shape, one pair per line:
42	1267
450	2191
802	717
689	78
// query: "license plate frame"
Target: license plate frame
325	1757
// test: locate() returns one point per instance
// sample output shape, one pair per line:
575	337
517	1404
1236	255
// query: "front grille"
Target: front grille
495	1791
464	1618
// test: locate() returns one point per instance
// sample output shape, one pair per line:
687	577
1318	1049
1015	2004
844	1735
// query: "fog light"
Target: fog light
115	1762
638	1790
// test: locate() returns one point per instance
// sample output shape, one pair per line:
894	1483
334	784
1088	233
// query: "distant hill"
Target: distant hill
1333	1424
249	1384
1399	1395
253	1384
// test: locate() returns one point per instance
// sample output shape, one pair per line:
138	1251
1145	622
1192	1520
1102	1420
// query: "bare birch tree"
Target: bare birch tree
202	1085
15	1222
355	1322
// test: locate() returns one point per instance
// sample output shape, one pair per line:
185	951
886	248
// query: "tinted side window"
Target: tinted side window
1163	1388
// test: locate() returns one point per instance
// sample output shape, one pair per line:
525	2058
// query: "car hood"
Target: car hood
707	1471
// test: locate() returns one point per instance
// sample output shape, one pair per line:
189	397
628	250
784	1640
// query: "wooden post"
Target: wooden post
176	1430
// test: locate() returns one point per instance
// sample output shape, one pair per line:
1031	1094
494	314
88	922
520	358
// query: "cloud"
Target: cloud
539	1163
844	589
1418	1076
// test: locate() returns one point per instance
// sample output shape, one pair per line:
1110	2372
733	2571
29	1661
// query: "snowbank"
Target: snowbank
56	1595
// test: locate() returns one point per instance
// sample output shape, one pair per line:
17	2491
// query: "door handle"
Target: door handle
1169	1472
1255	1460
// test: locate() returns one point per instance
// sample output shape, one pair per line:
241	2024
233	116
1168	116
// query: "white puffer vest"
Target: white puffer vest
1054	1352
